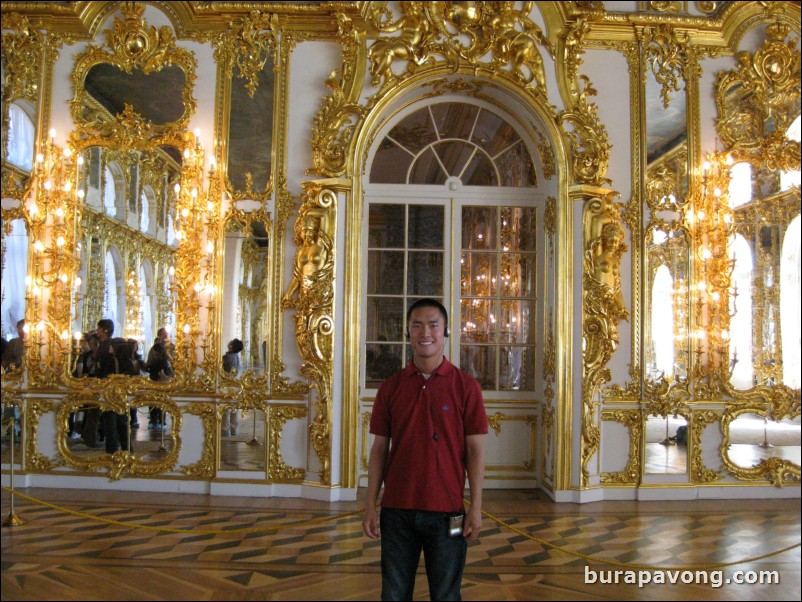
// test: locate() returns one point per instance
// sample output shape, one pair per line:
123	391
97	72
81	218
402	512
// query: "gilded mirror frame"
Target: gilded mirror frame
132	45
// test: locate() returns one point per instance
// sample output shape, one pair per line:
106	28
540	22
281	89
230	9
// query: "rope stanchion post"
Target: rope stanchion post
254	440
13	519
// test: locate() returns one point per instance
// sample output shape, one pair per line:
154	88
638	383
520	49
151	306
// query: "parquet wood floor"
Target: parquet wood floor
60	556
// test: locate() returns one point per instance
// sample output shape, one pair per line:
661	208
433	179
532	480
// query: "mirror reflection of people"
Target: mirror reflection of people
15	349
12	360
159	369
115	426
231	365
429	424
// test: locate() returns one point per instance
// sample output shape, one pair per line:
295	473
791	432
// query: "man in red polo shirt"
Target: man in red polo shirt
429	424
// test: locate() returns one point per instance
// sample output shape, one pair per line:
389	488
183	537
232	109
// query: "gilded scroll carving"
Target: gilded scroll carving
278	416
633	421
311	293
759	99
699	422
590	149
603	308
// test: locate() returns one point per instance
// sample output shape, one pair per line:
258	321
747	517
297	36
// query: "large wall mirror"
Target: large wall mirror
759	123
667	358
132	105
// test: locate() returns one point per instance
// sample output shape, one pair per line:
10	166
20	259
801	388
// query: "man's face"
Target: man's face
427	332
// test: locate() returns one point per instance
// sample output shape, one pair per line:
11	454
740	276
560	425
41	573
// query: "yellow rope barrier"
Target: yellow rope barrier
324	519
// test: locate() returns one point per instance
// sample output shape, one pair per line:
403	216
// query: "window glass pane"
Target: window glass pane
385	319
517	276
386	226
516	368
479	228
500	134
480	172
515	321
382	362
516	168
385	272
454	120
518	229
478	275
487	126
426	227
390	164
414	131
454	154
479	320
425	274
427	170
480	362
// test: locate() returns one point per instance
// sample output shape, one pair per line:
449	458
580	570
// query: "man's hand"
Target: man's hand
473	523
370	524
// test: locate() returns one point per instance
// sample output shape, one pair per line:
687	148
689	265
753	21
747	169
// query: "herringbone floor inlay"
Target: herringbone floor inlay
59	556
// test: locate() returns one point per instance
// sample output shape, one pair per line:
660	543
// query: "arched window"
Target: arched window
146	304
20	139
475	251
741	310
111	300
740	191
791	303
144	216
453	141
109	192
662	320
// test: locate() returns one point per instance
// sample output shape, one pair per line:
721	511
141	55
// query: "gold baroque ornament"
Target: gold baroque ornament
311	293
759	99
334	126
116	399
603	307
35	461
665	56
23	51
205	467
278	416
633	421
248	44
590	149
776	470
134	49
496	32
699	422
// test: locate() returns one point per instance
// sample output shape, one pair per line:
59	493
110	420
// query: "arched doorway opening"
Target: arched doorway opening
458	203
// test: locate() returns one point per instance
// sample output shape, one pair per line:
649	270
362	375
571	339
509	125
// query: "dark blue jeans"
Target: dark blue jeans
404	533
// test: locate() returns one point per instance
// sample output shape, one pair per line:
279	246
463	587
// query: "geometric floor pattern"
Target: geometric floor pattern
278	548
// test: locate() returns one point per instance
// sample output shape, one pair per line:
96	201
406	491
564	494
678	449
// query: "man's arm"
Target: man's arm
378	457
475	460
